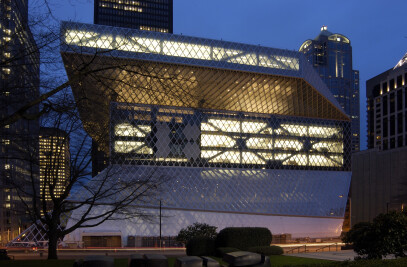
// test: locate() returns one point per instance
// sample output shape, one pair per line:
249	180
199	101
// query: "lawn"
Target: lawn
275	261
278	261
295	261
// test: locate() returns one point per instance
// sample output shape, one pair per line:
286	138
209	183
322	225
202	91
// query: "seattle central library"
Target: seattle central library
245	135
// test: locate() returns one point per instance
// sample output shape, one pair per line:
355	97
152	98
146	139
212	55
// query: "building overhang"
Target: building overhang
108	64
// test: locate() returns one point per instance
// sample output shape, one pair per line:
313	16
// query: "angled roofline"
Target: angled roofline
129	43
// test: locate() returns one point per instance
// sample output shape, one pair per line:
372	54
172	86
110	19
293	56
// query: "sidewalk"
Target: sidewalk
77	254
341	255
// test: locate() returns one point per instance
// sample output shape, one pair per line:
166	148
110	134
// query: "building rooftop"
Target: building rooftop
80	38
401	62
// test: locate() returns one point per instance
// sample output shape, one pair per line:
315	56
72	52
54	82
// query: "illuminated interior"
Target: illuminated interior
174	48
158	70
200	137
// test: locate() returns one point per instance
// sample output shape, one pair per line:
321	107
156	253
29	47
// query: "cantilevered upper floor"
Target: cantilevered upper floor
89	39
109	64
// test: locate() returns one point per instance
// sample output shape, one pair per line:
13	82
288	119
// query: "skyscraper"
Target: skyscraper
149	15
379	176
19	83
387	113
54	162
331	55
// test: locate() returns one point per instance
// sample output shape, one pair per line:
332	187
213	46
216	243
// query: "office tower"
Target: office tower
387	113
149	15
19	59
54	162
239	135
331	56
379	175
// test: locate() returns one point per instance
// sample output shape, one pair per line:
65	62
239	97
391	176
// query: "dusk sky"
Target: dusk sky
376	28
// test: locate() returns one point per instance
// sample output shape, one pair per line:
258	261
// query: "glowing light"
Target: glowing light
216	141
175	48
126	129
131	146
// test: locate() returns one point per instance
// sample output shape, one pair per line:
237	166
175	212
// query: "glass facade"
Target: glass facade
148	15
19	84
162	135
386	98
331	55
239	134
54	162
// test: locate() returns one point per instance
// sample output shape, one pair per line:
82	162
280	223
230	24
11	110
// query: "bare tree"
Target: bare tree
65	184
47	198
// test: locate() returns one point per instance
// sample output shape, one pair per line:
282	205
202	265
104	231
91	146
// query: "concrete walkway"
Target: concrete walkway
341	255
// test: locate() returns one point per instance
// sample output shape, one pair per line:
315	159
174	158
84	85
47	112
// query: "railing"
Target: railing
329	247
298	249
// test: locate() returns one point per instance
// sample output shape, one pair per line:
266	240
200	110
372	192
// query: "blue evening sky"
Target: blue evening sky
376	28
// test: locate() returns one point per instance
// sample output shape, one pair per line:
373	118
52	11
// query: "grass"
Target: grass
279	261
275	261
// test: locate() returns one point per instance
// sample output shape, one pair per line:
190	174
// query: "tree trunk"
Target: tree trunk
52	246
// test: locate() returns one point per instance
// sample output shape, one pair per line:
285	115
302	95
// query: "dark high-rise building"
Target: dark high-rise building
331	55
379	174
387	113
19	83
149	15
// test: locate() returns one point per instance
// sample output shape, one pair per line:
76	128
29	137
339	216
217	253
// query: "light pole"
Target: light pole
160	223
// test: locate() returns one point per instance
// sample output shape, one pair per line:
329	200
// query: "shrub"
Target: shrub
386	235
364	239
201	246
223	250
267	250
392	229
243	237
196	230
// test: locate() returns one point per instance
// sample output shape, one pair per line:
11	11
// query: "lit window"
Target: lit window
7	70
7	166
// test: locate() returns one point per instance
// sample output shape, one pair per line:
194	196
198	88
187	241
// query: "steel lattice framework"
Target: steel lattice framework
245	134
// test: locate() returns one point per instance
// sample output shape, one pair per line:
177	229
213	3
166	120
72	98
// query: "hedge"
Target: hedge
267	250
201	246
243	237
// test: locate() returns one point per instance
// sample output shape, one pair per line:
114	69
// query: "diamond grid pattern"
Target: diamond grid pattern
178	49
176	46
282	148
156	135
175	220
33	236
234	197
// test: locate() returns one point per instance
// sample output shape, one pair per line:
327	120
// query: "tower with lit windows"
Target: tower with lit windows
387	113
54	162
149	15
331	56
19	83
381	169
